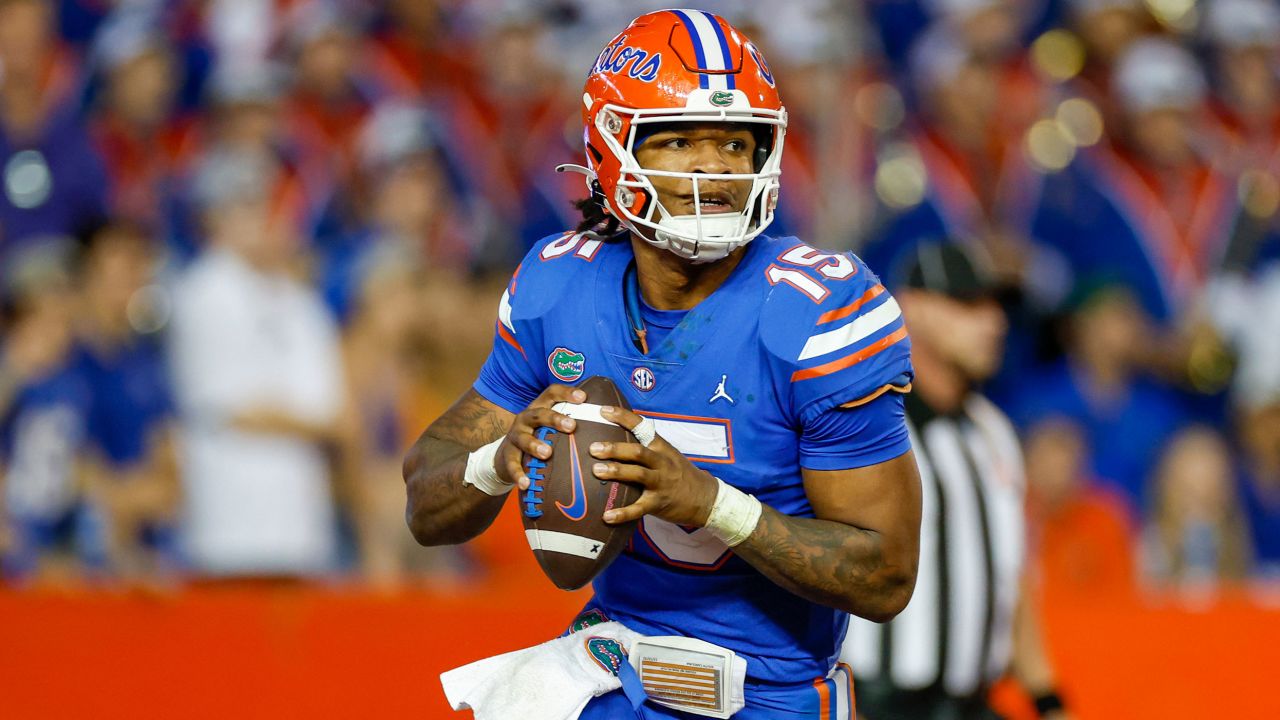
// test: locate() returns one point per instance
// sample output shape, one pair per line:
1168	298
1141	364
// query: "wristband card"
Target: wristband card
690	675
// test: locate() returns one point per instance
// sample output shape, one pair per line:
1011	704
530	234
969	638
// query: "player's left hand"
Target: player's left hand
674	489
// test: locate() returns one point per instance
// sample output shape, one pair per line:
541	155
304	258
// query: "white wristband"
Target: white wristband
481	473
734	515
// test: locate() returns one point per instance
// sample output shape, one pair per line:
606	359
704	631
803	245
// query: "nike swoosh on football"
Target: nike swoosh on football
576	510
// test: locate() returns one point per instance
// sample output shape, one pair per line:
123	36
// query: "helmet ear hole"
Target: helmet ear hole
764	145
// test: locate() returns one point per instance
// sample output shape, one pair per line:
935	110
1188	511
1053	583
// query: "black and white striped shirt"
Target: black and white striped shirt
955	635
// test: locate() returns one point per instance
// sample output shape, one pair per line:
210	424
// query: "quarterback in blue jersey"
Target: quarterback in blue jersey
780	491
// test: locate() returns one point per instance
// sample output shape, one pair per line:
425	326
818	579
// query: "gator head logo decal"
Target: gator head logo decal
566	364
607	653
720	98
588	618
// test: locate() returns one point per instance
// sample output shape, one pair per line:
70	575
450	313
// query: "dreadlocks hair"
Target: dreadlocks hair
595	218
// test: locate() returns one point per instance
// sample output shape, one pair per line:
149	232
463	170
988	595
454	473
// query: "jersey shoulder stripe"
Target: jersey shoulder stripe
853	358
863	326
840	313
840	343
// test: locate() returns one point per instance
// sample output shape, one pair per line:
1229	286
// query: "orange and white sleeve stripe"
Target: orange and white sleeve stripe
848	343
506	330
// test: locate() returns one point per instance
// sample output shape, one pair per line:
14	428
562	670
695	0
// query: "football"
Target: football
563	508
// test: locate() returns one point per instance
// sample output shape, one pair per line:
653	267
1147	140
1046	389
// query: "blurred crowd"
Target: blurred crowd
250	248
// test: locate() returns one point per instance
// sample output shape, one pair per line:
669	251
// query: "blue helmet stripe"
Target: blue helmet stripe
724	47
687	21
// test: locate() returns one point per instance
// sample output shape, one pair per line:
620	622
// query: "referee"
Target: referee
966	624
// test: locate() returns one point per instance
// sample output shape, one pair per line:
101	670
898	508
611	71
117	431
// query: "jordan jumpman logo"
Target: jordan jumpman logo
720	392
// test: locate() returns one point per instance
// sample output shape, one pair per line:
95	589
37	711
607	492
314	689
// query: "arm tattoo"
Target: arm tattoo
470	423
441	510
828	563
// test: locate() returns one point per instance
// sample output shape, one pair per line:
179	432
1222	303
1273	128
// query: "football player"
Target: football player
780	491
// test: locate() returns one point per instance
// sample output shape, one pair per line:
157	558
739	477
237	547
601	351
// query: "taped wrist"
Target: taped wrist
734	515
481	473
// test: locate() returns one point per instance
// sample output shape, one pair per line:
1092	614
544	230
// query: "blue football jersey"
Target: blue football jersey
41	439
792	333
131	400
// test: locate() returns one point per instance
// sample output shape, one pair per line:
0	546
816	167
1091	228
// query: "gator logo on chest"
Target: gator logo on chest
567	365
588	618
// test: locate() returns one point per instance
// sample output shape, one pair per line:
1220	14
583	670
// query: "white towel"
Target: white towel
551	681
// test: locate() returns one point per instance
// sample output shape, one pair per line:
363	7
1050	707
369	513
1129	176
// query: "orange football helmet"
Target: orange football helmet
673	66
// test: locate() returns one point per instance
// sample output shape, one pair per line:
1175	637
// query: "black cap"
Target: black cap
947	268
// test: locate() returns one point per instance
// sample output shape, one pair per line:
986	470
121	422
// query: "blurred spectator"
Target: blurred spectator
410	209
383	345
257	373
135	129
416	54
838	103
990	28
329	99
1197	536
992	31
504	131
245	109
965	175
80	20
899	23
1261	487
977	183
1149	208
1107	29
241	31
131	471
1257	401
1243	37
53	180
1126	418
405	197
44	404
1081	532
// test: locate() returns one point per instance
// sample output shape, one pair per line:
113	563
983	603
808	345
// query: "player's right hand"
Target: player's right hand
521	440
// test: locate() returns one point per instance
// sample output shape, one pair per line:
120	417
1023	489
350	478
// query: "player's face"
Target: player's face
967	335
710	148
119	267
978	331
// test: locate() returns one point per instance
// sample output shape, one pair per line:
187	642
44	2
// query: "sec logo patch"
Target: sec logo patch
642	378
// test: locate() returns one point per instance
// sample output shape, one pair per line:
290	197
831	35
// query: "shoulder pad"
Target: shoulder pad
546	272
833	331
806	299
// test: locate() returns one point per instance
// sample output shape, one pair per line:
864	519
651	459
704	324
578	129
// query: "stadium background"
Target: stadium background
371	172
